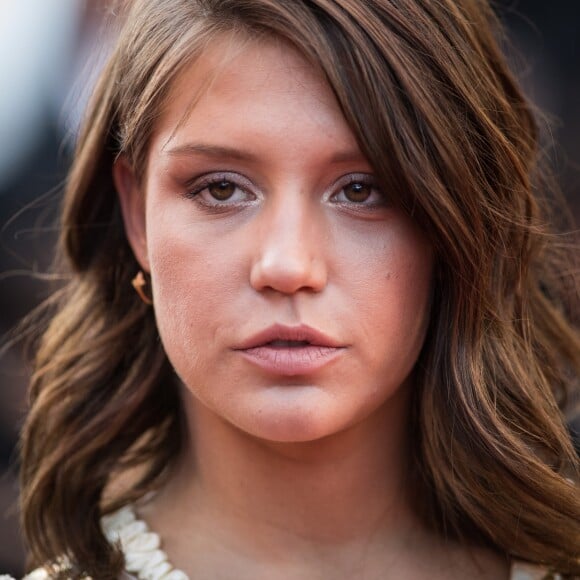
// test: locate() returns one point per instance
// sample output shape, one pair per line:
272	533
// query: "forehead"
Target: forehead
249	86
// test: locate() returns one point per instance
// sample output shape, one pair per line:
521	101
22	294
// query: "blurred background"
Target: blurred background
50	53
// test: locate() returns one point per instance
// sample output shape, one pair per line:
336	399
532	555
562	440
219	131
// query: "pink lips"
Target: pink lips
286	350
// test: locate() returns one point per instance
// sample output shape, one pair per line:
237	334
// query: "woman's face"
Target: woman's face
291	298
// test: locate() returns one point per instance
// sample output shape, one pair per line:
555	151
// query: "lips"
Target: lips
290	350
294	334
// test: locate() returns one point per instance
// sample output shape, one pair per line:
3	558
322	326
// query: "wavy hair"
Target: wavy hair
428	95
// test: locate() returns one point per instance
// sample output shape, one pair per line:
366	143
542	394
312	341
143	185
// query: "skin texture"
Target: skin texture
283	476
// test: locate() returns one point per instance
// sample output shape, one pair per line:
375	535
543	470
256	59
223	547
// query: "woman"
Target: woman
350	353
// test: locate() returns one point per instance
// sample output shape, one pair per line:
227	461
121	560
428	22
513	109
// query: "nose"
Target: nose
290	252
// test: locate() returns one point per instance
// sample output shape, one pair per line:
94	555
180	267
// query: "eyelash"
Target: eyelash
197	186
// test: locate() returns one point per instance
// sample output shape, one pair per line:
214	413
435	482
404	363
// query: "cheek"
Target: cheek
378	291
391	285
195	283
410	276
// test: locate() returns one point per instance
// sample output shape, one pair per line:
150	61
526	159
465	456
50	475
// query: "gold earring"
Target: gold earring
139	283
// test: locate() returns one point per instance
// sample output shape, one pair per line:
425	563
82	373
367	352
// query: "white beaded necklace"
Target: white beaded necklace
141	547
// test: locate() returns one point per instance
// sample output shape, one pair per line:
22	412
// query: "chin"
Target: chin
293	421
290	430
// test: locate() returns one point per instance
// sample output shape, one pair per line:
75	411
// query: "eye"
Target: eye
357	192
360	190
222	190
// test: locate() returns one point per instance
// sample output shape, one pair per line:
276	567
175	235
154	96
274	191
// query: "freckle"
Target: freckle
388	276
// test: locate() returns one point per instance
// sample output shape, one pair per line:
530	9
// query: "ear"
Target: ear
132	200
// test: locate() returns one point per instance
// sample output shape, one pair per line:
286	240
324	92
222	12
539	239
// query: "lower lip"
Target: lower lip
291	361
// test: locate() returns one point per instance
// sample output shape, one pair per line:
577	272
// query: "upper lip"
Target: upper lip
295	333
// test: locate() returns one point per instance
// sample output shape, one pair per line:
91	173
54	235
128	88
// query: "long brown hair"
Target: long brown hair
426	91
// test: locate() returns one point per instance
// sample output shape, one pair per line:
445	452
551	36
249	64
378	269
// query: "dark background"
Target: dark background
545	54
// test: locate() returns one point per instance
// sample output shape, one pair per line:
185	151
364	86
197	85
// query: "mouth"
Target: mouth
288	343
281	336
291	351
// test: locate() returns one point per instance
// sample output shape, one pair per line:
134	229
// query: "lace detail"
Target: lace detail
140	546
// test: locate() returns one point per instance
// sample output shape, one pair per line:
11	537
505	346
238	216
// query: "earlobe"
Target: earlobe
132	201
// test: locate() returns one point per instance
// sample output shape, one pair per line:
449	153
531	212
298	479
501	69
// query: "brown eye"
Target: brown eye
357	192
222	190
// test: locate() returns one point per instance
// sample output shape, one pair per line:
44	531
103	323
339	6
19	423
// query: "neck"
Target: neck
347	491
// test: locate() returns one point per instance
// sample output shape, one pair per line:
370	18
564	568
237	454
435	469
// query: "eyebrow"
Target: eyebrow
211	151
221	152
